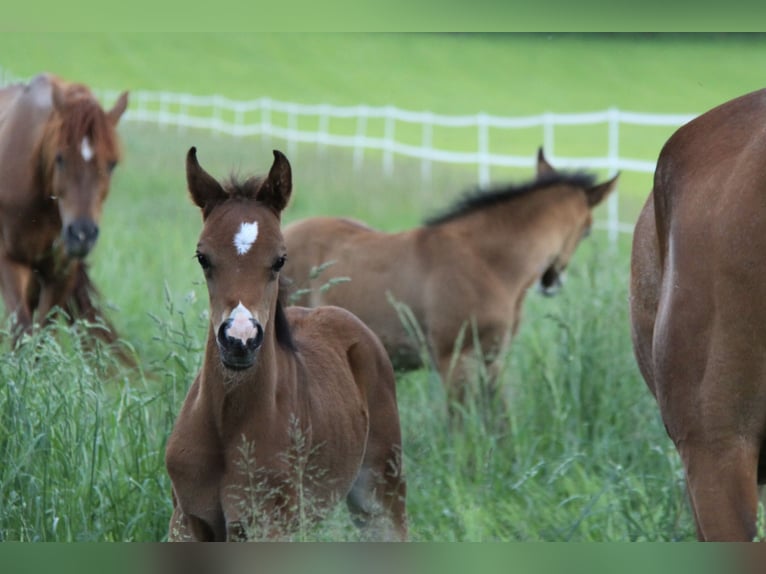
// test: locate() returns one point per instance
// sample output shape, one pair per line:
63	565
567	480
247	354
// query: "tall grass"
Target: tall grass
578	455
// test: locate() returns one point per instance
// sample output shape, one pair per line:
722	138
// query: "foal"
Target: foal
293	408
58	149
463	275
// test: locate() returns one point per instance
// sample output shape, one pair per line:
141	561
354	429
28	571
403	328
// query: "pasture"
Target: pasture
583	457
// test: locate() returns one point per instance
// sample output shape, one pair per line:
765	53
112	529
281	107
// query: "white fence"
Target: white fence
254	118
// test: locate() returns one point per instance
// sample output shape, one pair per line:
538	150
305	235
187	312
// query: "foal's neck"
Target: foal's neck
239	397
514	238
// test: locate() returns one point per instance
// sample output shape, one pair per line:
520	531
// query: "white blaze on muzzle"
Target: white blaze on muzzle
242	325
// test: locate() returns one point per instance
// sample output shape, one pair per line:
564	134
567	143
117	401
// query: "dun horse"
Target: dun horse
58	148
463	275
697	310
293	409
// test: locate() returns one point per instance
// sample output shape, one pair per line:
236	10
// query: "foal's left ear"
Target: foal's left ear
204	189
543	167
118	109
278	185
598	192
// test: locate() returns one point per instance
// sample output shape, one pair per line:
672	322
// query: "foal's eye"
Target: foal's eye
204	262
59	159
110	166
279	263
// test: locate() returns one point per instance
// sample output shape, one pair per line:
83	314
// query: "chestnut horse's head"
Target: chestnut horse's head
241	252
82	149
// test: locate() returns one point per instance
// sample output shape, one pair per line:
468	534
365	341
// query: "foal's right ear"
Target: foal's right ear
204	189
543	167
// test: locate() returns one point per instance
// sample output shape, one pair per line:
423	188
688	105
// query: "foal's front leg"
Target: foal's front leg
15	282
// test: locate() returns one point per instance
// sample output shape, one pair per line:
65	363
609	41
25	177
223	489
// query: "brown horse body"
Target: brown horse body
698	319
463	273
293	409
57	150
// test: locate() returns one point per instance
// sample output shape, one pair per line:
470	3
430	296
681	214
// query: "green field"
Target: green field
585	457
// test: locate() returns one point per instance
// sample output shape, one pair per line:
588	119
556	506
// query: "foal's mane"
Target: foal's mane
479	199
239	188
84	117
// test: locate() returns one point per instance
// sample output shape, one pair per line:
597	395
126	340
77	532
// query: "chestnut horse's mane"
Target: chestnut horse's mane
483	198
83	117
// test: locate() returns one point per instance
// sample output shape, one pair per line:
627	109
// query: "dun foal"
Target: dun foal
463	275
293	409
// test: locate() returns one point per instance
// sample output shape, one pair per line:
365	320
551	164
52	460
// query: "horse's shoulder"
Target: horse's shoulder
325	320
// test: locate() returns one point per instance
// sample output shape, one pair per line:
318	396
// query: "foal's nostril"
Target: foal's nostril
237	342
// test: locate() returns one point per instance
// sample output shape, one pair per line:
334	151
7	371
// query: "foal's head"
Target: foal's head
579	219
82	149
241	252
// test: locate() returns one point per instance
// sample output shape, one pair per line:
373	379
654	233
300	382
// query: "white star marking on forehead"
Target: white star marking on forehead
86	150
245	237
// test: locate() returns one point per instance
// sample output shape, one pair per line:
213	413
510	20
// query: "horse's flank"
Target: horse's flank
698	319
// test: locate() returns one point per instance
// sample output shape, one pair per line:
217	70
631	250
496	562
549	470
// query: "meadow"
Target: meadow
583	455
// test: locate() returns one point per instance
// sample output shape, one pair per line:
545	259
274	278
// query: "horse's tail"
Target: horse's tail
85	303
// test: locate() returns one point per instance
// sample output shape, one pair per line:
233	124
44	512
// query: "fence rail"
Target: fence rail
256	118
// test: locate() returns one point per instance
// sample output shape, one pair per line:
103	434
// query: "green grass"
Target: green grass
583	456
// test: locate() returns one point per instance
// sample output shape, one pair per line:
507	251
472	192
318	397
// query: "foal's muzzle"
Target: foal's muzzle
80	237
550	282
238	353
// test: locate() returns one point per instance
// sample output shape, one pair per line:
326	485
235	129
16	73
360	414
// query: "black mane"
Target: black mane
479	199
244	188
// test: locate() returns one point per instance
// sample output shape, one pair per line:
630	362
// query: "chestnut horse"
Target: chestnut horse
293	409
463	275
698	317
58	148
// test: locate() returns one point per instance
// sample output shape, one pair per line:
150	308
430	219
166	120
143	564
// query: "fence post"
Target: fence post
482	125
266	120
292	136
614	160
324	126
426	145
548	134
388	137
361	128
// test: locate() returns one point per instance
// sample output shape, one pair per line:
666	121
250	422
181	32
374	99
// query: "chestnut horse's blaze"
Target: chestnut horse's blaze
293	409
469	268
58	148
698	312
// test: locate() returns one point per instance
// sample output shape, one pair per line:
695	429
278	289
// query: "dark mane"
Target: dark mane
83	117
281	324
484	198
243	188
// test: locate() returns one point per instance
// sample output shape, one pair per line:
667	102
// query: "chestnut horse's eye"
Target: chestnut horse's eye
279	263
110	166
59	160
204	262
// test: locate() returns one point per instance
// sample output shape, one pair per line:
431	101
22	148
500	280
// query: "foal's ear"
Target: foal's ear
205	191
278	185
118	109
598	192
543	167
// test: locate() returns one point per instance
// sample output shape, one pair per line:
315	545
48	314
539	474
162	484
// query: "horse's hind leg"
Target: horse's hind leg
377	498
722	483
